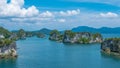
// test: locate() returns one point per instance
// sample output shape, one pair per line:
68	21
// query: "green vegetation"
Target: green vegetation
56	32
69	33
21	33
56	36
5	39
96	35
1	43
8	41
5	32
114	39
4	42
60	37
83	40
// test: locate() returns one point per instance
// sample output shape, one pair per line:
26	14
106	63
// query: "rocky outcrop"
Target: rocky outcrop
82	38
8	50
55	35
73	37
111	46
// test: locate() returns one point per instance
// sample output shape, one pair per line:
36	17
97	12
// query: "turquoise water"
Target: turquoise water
42	53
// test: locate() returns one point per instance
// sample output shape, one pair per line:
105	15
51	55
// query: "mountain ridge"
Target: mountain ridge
100	30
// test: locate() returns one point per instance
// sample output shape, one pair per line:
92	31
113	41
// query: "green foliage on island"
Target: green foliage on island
113	39
6	42
60	37
5	32
95	35
56	32
83	40
69	33
21	34
55	35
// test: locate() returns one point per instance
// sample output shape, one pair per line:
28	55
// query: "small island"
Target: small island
111	46
75	37
22	34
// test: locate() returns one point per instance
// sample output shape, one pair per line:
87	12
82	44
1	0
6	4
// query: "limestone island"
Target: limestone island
75	37
111	46
22	34
7	44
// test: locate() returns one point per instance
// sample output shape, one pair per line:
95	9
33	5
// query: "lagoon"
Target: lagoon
42	53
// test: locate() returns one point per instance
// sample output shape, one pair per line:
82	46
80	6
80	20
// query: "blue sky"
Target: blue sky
58	14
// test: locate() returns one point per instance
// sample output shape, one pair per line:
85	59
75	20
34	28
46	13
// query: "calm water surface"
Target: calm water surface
42	53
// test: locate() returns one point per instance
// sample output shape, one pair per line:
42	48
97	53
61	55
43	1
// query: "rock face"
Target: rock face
54	37
8	50
111	45
83	37
79	37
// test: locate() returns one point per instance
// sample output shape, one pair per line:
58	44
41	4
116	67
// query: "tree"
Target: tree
5	32
83	40
8	41
56	32
69	33
96	35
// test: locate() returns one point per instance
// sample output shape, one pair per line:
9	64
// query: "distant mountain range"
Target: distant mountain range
94	30
44	31
84	29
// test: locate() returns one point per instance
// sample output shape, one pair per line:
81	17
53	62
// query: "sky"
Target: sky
59	14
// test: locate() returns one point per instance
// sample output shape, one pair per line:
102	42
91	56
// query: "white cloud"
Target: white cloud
47	14
20	17
16	12
70	12
15	9
109	15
